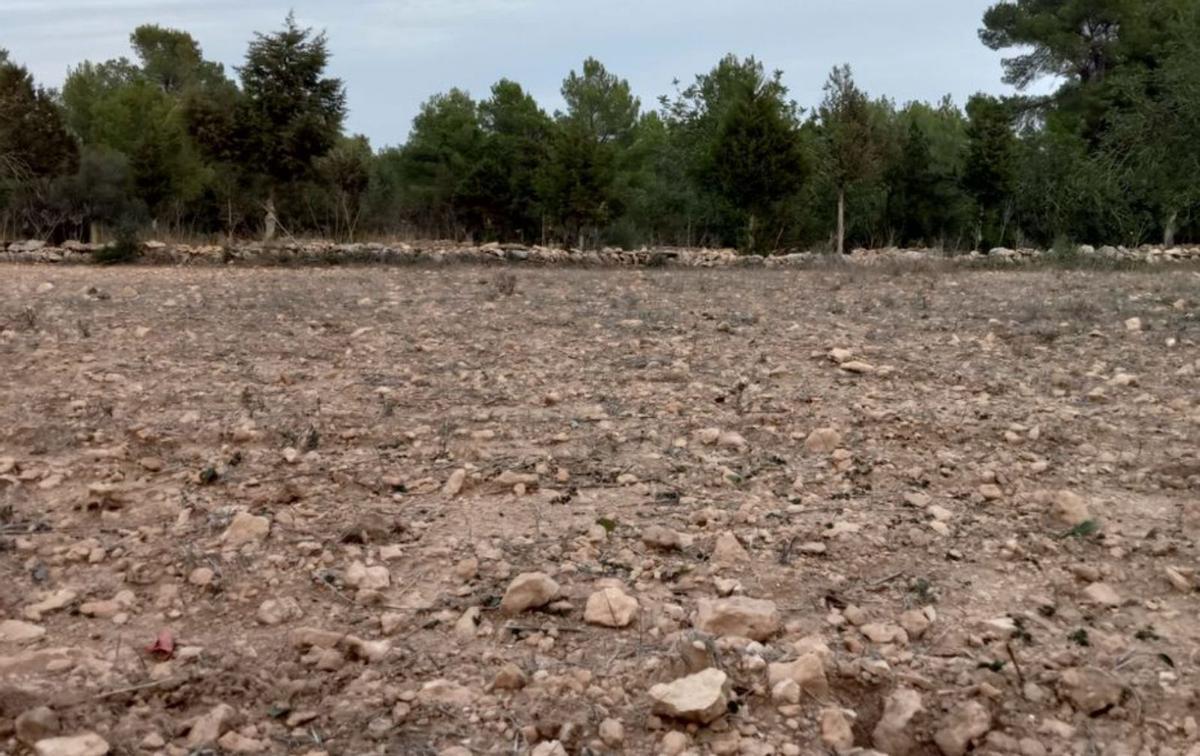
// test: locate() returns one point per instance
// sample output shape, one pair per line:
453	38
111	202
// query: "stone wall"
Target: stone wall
318	253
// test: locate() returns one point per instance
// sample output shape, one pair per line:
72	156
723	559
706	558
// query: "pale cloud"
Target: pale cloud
393	54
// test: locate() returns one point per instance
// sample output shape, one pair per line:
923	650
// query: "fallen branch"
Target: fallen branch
143	686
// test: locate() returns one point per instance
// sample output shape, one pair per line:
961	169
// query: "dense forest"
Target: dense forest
168	143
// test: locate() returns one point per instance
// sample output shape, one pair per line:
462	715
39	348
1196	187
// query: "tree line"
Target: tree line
169	142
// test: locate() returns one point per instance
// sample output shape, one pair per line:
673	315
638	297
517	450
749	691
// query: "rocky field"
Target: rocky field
492	511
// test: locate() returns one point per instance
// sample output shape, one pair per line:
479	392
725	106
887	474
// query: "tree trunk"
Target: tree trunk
270	220
841	222
1169	230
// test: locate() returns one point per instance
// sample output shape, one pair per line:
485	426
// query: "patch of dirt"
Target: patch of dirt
321	484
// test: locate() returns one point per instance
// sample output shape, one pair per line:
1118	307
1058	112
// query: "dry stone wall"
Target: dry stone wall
323	252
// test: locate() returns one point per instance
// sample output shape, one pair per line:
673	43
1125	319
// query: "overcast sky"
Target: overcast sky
393	54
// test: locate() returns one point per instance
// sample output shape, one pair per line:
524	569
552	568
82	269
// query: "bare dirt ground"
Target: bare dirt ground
316	489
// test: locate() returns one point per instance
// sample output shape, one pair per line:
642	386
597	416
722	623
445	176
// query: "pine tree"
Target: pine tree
852	143
439	159
757	158
292	112
35	148
34	141
589	150
990	174
515	147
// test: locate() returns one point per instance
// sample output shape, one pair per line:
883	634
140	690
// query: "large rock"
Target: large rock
915	622
1070	508
1090	691
612	732
701	698
277	611
837	731
991	492
246	528
85	744
368	651
1102	594
16	631
454	484
211	726
739	616
728	552
374	578
510	677
963	728
674	743
37	724
610	607
235	742
857	367
529	590
661	538
442	692
884	632
823	441
311	637
895	734
808	672
732	440
50	602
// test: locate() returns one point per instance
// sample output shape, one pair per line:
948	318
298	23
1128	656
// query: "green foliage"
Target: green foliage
33	139
289	113
757	159
1077	39
503	188
125	248
580	183
165	138
102	189
292	113
926	203
139	113
991	170
439	160
35	148
850	134
1083	530
600	104
1149	143
173	61
698	206
1118	128
851	137
346	169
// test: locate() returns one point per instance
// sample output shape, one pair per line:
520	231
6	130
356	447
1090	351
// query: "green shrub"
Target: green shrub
125	248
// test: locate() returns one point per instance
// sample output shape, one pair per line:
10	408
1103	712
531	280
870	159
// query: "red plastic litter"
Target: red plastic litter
164	646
